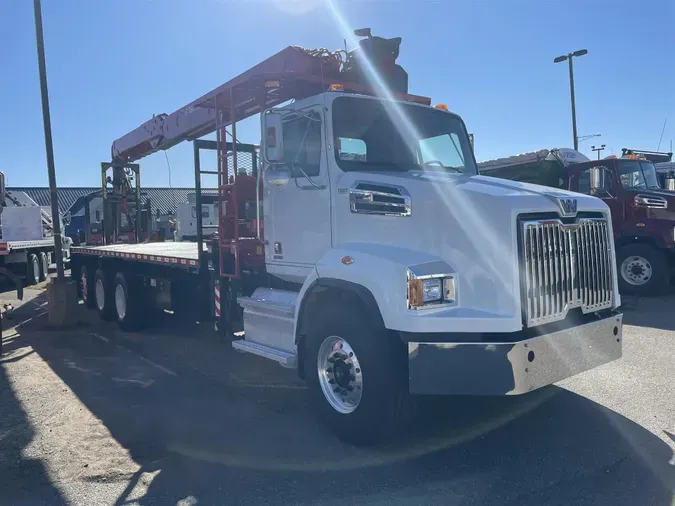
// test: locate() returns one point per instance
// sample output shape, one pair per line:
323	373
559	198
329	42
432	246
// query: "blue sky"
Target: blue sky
113	63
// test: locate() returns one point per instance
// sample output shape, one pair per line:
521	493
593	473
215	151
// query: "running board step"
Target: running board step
283	357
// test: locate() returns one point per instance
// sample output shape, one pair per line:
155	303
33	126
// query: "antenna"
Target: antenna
661	138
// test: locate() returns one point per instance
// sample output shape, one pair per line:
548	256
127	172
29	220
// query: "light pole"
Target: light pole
49	148
598	149
569	57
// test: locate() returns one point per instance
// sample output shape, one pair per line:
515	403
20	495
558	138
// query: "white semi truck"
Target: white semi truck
365	251
26	236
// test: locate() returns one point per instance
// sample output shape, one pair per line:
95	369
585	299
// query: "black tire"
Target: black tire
385	403
44	266
85	287
127	289
103	295
634	261
32	270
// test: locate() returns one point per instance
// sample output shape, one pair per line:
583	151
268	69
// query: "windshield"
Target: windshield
638	175
367	136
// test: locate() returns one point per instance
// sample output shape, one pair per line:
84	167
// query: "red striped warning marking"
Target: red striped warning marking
216	291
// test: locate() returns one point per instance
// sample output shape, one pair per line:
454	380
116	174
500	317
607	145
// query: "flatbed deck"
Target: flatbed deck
6	247
182	254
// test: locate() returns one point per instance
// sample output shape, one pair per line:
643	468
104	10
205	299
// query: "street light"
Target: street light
569	57
598	149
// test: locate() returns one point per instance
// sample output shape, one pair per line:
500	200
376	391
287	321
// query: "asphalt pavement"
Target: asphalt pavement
92	416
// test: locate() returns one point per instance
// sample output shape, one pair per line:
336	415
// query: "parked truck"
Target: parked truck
364	250
26	236
643	213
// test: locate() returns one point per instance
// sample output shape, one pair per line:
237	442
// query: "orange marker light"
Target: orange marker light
336	87
347	260
442	107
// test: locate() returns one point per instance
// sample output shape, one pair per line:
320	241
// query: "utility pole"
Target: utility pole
569	57
598	149
49	148
61	293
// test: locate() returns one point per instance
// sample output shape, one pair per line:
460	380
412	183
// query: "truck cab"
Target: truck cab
643	215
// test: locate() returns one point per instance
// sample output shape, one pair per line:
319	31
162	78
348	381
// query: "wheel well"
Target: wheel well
331	293
640	239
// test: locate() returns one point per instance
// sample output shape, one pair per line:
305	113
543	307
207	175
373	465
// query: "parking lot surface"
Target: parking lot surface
90	416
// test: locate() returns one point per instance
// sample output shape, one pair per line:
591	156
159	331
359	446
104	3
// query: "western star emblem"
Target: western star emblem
567	206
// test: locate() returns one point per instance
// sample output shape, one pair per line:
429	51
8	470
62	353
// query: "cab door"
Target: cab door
297	213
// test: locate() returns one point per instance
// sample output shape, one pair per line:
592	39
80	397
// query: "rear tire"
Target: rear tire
32	270
128	302
377	368
86	287
103	294
642	270
44	266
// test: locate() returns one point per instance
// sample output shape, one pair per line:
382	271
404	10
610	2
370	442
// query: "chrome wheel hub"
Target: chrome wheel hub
636	270
340	374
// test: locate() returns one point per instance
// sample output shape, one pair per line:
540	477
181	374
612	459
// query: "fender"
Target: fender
377	275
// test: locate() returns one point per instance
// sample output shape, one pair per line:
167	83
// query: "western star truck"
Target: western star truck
643	214
364	250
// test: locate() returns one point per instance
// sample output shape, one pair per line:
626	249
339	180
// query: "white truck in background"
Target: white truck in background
26	236
186	218
367	253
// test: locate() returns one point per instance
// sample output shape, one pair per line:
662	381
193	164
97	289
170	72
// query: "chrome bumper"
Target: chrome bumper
512	368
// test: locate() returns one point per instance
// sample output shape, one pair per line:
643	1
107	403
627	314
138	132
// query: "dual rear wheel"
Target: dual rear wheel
118	297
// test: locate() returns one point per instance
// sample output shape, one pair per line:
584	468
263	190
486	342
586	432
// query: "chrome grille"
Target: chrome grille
566	266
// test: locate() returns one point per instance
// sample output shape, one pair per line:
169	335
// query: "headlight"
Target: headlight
431	290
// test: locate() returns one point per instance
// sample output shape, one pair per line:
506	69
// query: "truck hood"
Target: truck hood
469	222
525	197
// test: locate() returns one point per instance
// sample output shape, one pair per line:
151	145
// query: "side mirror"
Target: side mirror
277	176
598	180
273	137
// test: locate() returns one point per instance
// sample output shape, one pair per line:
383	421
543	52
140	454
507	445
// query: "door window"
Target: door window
302	144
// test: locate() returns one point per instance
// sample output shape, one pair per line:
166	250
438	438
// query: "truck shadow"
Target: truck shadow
653	312
200	441
23	480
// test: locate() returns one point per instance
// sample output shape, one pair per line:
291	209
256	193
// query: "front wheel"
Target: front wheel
643	270
357	376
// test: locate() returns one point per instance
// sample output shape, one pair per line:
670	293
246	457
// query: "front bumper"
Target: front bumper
512	368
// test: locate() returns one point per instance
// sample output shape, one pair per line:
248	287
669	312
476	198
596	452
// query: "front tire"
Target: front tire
642	270
357	376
